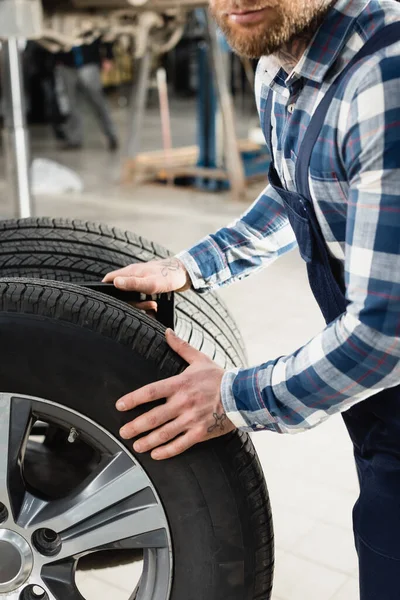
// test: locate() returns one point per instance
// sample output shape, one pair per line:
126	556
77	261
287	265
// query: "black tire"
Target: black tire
75	251
83	350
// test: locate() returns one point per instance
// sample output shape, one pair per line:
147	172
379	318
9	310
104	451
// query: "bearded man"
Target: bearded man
328	94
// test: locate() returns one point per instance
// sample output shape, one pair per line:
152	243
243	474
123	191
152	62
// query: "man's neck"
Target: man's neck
291	53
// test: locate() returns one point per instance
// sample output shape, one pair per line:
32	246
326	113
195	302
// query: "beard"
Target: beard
286	21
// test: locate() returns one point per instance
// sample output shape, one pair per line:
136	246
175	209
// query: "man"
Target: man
80	69
328	92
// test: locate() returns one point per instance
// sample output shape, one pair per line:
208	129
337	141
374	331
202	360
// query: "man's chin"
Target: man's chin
249	45
249	41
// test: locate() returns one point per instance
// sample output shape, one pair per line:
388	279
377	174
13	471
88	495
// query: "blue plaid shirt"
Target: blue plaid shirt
355	184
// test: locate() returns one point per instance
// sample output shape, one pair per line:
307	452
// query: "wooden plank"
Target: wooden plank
182	163
186	154
218	174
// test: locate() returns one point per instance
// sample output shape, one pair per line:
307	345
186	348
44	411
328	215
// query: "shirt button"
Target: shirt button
291	108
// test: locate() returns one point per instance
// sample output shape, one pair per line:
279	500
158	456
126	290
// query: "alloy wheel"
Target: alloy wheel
113	507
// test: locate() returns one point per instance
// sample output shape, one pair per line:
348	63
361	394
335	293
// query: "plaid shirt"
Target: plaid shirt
355	184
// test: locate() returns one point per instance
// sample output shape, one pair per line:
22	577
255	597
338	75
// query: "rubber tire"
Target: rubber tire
75	251
84	350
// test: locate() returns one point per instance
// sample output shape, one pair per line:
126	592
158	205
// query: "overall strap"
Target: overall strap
267	122
384	38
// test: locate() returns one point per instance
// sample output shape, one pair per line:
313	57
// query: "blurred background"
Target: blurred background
144	120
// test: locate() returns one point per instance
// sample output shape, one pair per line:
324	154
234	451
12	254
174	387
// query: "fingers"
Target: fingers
154	418
129	271
145	285
153	277
177	446
185	350
109	278
149	393
148	305
169	428
160	436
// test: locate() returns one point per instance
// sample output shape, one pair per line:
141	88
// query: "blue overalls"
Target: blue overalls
374	424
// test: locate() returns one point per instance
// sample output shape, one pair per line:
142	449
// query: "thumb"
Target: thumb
185	350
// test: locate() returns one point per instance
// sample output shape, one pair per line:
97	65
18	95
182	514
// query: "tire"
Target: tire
75	251
81	351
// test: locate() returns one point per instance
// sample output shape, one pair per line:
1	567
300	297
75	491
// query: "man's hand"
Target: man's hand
193	411
153	277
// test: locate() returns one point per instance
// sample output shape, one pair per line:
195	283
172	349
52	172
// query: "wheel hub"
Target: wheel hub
16	560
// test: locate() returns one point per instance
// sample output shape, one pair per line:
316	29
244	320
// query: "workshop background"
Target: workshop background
177	175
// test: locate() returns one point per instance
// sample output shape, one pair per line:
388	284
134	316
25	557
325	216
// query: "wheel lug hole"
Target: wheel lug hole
3	513
47	542
34	592
49	535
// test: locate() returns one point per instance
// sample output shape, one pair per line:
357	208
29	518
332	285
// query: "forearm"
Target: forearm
251	243
345	364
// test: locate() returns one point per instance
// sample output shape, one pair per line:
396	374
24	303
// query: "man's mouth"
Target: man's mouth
248	17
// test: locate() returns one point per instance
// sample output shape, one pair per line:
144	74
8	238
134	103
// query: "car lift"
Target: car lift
23	19
19	20
254	158
233	171
220	160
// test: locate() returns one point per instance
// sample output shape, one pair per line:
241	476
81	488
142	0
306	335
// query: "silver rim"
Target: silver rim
115	507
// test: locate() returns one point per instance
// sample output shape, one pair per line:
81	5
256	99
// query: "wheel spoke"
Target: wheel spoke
59	579
115	479
113	508
123	526
15	424
53	597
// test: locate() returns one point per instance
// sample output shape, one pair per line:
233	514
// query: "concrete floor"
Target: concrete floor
311	477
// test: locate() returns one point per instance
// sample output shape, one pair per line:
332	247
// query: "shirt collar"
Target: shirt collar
324	48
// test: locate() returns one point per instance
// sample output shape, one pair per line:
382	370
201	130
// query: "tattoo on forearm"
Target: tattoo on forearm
219	423
172	264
